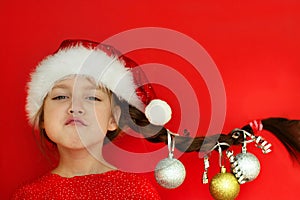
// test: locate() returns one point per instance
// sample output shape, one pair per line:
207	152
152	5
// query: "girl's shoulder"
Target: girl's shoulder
34	188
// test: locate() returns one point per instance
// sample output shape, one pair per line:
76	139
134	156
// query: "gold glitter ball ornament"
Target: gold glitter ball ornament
170	173
224	186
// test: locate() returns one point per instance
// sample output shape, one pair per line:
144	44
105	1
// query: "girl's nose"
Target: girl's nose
76	109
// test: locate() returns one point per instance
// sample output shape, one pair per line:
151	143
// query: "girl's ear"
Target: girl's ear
113	123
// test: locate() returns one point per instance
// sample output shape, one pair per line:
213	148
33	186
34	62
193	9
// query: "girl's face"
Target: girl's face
78	113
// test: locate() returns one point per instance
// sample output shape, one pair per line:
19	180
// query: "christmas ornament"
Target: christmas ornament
224	186
246	166
170	172
247	162
249	165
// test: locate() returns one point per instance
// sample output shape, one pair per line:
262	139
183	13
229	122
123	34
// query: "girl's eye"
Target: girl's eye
93	98
59	97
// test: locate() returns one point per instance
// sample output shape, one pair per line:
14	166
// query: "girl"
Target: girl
70	100
86	93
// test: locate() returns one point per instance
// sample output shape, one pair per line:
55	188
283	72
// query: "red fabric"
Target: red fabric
109	185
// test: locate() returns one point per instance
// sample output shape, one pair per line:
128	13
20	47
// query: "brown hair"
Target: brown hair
287	131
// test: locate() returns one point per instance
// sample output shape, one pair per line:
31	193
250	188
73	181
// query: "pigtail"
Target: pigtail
137	121
157	134
287	131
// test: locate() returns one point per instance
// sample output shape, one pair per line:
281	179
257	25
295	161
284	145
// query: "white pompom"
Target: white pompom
158	112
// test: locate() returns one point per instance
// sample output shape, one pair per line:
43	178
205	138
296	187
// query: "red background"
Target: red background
255	45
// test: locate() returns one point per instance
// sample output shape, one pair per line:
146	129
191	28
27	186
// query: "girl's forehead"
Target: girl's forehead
76	81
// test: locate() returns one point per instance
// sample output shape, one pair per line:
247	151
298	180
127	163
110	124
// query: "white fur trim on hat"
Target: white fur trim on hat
78	60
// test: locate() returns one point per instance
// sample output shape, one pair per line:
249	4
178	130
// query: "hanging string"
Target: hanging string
206	160
206	166
218	145
220	155
244	147
235	167
171	143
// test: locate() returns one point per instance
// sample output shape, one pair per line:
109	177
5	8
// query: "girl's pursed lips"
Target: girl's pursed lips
75	121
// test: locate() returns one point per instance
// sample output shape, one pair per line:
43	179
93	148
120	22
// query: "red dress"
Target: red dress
110	185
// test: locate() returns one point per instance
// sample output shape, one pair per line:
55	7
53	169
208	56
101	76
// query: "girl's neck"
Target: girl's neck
81	162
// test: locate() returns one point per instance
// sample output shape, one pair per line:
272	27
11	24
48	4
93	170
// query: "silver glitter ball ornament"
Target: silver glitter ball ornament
249	165
170	173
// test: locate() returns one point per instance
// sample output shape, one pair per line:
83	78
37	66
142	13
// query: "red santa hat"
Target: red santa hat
106	66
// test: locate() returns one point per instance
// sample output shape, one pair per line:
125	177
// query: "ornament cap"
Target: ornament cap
223	169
